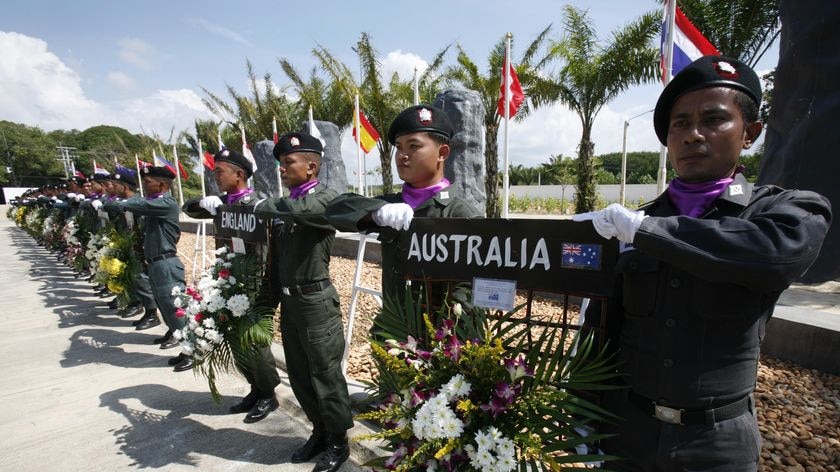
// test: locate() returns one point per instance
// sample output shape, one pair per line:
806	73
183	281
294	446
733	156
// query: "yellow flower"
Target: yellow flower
449	447
115	287
117	267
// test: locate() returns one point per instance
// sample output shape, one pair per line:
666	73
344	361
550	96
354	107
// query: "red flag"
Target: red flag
145	164
184	174
209	161
517	96
275	137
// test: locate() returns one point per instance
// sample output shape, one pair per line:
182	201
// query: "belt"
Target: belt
165	255
306	289
691	417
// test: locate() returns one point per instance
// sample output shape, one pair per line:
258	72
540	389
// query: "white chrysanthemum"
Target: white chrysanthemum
187	348
456	387
176	290
192	324
231	256
193	308
434	420
178	334
199	331
238	305
177	302
206	283
203	345
227	265
214	301
213	336
231	280
220	251
209	323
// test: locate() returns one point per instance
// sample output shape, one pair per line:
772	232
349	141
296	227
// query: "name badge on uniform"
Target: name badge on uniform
735	190
444	195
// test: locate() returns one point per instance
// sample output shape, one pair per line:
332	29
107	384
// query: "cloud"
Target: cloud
403	64
121	80
137	52
220	31
38	89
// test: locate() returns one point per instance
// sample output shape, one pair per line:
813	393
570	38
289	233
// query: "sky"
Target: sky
145	65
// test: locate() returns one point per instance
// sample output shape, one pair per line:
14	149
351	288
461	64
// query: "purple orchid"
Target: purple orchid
517	368
505	392
453	348
496	407
445	330
396	457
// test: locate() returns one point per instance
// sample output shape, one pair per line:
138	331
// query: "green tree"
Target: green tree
466	73
255	112
743	29
591	75
29	153
381	99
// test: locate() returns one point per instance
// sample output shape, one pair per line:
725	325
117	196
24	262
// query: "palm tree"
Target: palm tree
591	75
255	113
743	29
380	104
325	97
467	74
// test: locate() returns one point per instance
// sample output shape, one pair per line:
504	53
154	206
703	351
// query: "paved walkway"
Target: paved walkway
82	390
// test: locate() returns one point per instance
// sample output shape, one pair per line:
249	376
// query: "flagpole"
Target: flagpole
276	139
178	176
201	160
669	64
244	146
416	88
139	178
505	175
359	160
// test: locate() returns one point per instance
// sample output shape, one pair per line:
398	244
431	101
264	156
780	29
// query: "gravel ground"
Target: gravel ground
798	408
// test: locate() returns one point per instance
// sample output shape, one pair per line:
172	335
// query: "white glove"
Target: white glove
54	198
394	215
71	196
614	221
210	203
96	204
80	197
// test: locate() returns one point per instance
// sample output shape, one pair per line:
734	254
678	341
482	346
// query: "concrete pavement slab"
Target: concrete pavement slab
82	390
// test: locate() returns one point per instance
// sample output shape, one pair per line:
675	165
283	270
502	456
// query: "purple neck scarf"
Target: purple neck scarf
235	197
693	199
415	196
300	190
154	196
111	198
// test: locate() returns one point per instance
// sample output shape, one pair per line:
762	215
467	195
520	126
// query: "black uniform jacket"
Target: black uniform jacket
694	294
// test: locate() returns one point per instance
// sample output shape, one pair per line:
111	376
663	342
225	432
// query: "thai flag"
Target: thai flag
689	43
163	162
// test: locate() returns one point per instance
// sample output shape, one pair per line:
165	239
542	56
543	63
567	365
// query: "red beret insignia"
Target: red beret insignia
726	70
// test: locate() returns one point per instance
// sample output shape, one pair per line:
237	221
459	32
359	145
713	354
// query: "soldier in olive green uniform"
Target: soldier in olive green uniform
140	292
421	136
165	270
232	172
310	318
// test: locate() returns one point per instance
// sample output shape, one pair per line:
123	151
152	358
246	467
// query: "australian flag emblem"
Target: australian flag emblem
581	256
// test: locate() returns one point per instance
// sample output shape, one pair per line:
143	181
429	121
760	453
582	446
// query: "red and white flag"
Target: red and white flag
689	43
274	135
246	151
517	96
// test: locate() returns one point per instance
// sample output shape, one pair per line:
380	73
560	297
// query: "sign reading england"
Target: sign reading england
551	255
239	221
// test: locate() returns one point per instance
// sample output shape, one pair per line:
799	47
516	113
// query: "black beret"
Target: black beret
235	158
126	178
77	180
297	142
101	177
157	171
420	118
708	71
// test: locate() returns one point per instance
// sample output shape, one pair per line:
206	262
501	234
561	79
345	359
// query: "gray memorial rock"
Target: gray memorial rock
332	175
265	178
465	165
801	142
210	187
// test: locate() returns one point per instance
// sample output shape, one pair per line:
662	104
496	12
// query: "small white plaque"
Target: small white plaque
496	294
238	245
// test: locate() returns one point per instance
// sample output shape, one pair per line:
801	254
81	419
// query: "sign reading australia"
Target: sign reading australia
551	255
239	221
